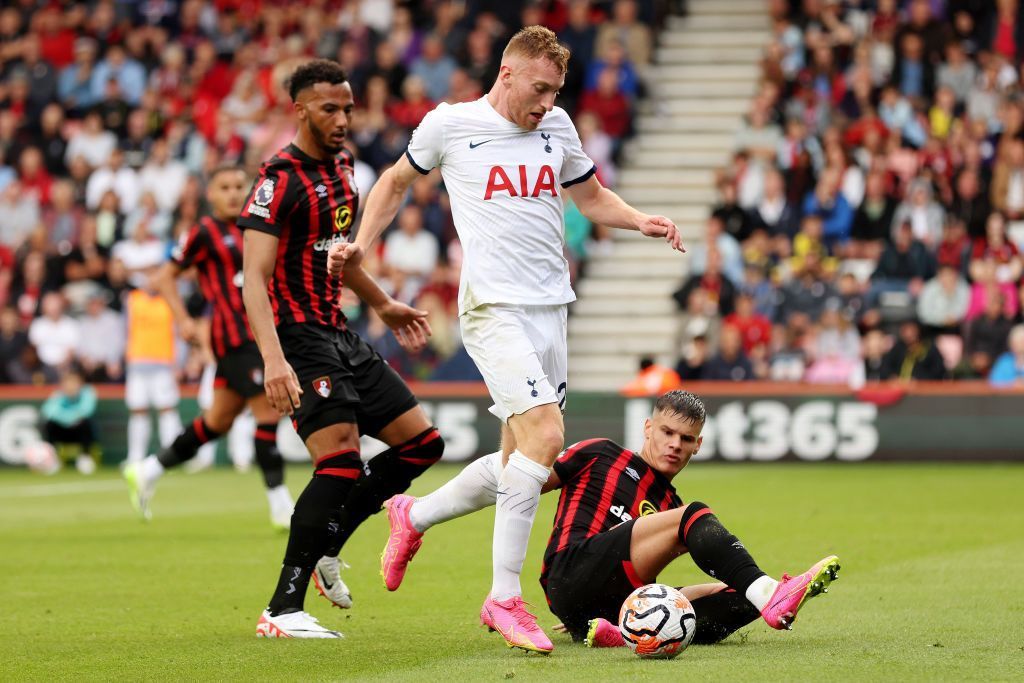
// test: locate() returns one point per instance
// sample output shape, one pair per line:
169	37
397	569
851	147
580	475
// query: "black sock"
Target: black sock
315	522
188	442
387	474
267	456
717	552
721	614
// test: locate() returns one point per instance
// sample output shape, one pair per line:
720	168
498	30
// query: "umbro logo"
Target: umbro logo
321	190
632	474
474	145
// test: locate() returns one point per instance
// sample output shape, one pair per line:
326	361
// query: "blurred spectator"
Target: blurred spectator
129	75
730	363
774	213
29	286
13	341
100	349
912	357
735	221
922	212
942	305
872	222
956	73
970	204
434	68
91	142
985	335
754	328
63	217
624	31
651	380
905	264
74	84
955	248
68	420
996	248
114	177
612	58
727	247
19	215
1008	370
719	290
807	292
874	348
694	359
829	203
411	253
609	104
140	254
1007	192
55	335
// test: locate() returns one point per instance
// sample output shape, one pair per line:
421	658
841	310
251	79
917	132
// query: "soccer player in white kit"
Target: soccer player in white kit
506	160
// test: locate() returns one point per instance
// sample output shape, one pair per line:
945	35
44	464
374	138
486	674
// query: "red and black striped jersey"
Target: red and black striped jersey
215	248
603	485
308	204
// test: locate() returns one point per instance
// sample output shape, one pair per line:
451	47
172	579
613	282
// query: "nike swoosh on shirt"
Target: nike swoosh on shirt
474	145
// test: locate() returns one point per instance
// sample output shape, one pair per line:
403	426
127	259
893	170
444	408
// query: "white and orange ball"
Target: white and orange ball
657	621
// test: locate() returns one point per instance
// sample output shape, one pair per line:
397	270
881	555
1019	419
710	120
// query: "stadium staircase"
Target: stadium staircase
705	72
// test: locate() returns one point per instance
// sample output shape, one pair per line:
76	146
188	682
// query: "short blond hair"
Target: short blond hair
534	42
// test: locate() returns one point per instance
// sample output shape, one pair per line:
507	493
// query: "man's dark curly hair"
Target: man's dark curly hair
316	71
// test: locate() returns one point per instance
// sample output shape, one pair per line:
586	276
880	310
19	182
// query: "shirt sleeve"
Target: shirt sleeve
266	207
191	248
426	148
577	166
574	458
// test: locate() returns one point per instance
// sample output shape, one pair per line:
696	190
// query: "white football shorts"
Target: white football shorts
150	386
521	352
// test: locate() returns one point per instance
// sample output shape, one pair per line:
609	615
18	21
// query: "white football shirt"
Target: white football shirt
506	186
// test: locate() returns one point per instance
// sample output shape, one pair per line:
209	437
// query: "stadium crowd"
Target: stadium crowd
869	222
112	114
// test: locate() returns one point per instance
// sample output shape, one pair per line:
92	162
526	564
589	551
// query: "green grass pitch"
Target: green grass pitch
931	586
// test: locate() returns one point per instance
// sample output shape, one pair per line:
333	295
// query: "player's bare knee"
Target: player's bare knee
218	421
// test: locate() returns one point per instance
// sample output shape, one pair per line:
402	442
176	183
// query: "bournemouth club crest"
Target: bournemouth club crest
265	192
322	386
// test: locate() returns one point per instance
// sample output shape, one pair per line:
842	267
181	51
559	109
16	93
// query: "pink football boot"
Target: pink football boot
603	633
793	591
517	626
403	541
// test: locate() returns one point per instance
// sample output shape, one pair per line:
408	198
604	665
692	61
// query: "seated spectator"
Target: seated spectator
996	247
774	214
756	284
63	217
92	143
970	204
140	254
694	359
613	57
957	72
905	265
924	214
735	221
413	106
943	303
954	248
807	292
100	349
810	242
720	291
163	176
68	421
788	359
700	318
599	146
726	245
113	176
913	357
54	335
1007	189
872	222
410	253
74	83
651	380
874	348
985	335
13	341
625	31
434	68
986	285
754	329
730	363
19	215
33	176
827	202
609	104
1008	370
758	135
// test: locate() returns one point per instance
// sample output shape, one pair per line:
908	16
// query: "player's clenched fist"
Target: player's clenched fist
282	386
341	255
659	226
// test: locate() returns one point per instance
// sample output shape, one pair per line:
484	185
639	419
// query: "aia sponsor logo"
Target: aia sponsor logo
501	180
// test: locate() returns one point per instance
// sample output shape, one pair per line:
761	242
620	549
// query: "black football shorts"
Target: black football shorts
241	370
343	380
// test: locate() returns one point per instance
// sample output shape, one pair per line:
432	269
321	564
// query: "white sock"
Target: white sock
518	497
240	441
280	495
169	424
472	489
139	431
151	469
761	591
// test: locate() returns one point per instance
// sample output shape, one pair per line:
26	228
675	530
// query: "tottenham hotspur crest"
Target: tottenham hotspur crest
265	192
322	386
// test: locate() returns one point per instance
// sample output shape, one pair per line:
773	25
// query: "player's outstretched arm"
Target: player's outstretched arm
279	379
384	201
603	206
165	282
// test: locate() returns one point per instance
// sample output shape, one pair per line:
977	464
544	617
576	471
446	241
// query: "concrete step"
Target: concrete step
640	196
692	232
716	73
645	177
684	142
611	306
711	22
629	344
634	324
731	106
708	55
726	7
705	89
649	250
688	123
604	363
596	382
594	288
724	36
675	158
637	269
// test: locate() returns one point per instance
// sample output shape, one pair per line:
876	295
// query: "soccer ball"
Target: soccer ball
41	457
657	621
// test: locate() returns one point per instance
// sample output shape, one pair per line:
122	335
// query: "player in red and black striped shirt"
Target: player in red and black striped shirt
329	380
620	522
213	247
